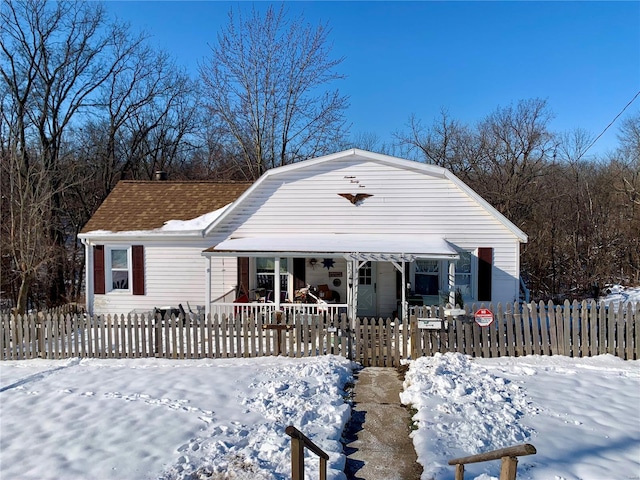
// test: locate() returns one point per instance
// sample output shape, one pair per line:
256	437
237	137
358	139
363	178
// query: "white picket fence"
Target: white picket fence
577	330
133	336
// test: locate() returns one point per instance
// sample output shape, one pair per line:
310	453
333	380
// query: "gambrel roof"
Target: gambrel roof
320	194
147	205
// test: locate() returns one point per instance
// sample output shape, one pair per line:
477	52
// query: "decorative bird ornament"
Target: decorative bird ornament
357	198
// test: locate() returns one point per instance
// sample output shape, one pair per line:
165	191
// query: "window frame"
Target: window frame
438	275
443	276
473	275
109	288
285	263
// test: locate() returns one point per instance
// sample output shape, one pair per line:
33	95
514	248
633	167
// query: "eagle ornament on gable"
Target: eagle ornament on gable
356	199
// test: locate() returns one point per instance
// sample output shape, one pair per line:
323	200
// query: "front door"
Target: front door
367	278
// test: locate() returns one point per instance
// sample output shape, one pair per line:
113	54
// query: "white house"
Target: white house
372	230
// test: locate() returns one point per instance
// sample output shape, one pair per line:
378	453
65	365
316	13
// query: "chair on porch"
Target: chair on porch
328	295
242	294
244	298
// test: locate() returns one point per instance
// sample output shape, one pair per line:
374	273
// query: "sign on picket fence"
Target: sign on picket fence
484	317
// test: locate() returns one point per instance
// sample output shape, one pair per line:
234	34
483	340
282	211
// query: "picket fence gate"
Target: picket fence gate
577	330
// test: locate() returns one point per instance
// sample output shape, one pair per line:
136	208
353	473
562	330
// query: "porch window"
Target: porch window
365	275
427	277
119	269
464	280
265	276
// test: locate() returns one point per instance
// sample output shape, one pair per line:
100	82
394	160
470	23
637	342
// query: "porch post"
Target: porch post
349	287
403	294
276	283
352	279
405	313
207	305
452	283
89	295
355	278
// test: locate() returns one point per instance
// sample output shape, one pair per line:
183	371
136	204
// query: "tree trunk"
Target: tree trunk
23	294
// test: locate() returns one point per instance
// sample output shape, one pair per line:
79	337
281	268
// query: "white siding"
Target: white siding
404	202
173	275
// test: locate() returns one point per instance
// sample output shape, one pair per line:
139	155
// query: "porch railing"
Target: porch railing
289	310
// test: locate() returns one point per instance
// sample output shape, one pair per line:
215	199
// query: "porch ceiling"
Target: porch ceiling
376	247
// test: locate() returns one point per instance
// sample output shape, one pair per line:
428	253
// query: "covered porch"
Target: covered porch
285	278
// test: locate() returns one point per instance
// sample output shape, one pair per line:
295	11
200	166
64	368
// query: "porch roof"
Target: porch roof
375	247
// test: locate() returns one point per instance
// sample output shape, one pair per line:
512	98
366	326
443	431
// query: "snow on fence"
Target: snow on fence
577	330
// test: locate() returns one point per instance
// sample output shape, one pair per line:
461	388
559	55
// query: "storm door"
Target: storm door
367	285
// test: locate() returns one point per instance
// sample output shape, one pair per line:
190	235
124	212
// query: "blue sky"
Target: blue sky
404	58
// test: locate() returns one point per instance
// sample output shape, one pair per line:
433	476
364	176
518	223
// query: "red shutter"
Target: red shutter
299	273
137	257
243	275
485	262
98	270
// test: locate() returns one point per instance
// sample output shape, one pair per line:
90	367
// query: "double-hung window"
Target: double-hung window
474	274
118	269
427	280
464	276
119	273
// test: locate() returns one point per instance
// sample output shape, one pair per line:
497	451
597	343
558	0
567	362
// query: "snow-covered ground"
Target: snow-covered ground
225	419
152	418
582	415
620	295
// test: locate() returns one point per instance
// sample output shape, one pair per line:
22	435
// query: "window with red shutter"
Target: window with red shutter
111	267
137	260
98	270
243	276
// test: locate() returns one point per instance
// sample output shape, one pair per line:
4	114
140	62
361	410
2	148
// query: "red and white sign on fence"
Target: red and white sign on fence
484	317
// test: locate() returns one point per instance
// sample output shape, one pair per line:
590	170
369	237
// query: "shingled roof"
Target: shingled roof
147	205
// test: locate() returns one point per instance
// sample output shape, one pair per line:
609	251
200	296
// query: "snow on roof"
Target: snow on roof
195	225
146	205
198	223
415	246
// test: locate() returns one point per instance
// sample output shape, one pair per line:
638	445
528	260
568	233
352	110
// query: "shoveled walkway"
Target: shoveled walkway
377	440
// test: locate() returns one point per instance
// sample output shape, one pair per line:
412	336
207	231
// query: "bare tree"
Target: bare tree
516	146
146	109
446	143
80	94
626	183
26	210
366	141
266	87
585	226
51	65
629	136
